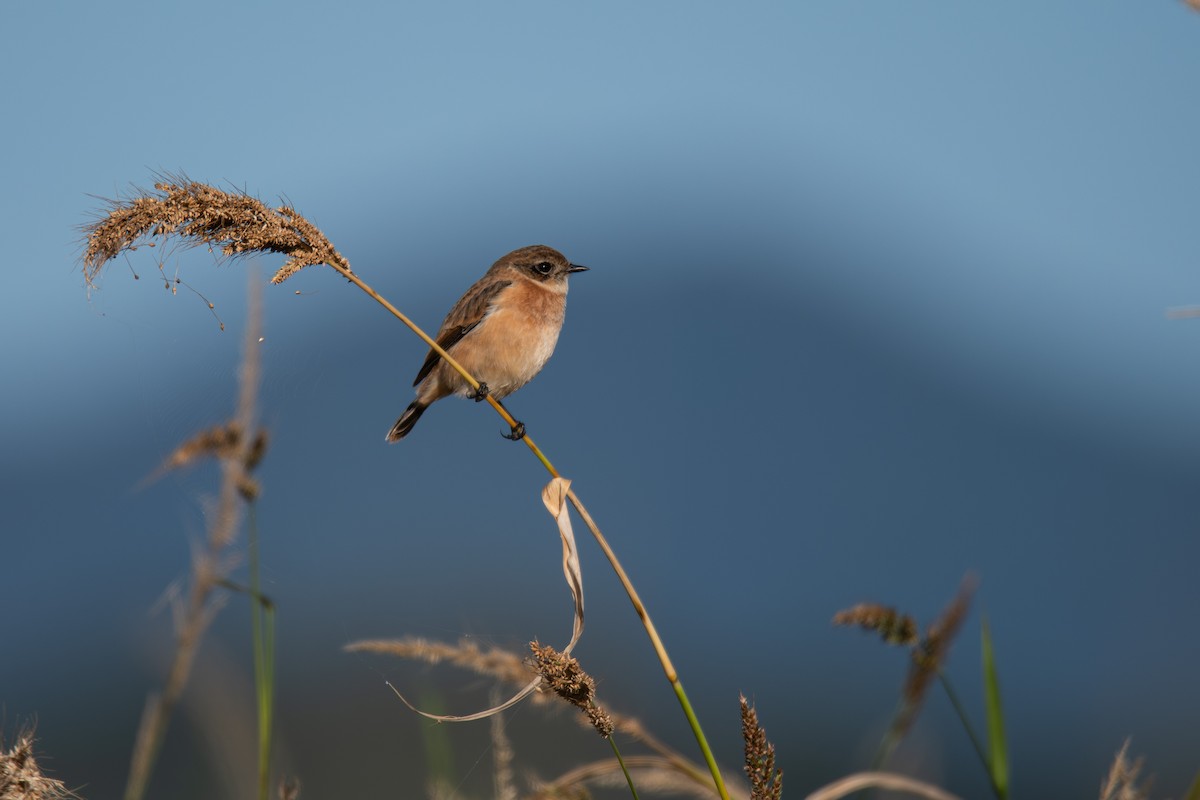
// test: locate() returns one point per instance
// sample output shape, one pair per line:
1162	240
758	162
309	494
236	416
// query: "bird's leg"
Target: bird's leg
518	430
480	394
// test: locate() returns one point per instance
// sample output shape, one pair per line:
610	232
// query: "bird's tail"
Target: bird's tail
407	420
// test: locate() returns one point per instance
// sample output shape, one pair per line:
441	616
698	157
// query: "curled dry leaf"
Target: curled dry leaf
554	495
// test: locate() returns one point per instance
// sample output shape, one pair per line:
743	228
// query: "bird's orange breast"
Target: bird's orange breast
515	339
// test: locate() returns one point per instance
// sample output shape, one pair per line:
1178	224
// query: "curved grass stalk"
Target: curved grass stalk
239	224
639	607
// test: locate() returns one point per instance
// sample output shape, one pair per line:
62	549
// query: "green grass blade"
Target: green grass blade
262	622
624	769
997	744
1194	792
439	751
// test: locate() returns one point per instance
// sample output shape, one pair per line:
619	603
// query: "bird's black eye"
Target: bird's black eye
544	267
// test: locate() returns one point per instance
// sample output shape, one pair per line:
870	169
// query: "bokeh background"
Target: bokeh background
877	298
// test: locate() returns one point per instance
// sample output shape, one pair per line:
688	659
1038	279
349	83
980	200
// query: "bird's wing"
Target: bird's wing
468	312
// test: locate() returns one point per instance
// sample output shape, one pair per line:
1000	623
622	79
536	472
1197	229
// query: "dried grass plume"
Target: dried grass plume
289	789
20	776
1123	778
890	624
200	214
221	442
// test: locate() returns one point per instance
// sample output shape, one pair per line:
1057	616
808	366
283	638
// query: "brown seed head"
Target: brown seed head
201	214
766	782
22	779
931	653
894	627
566	678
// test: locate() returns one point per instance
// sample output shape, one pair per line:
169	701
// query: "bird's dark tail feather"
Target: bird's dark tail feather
406	421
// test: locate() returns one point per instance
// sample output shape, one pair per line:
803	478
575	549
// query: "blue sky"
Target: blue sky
897	272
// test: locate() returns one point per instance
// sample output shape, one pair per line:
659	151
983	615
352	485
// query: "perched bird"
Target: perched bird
502	331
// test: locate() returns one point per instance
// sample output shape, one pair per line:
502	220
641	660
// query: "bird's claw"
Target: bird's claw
480	394
518	433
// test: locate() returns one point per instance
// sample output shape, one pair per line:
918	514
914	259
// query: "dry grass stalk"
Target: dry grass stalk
216	442
894	627
506	666
566	678
667	769
890	781
20	776
289	789
240	224
633	728
931	653
200	214
221	442
1123	777
504	786
650	774
766	782
207	575
495	662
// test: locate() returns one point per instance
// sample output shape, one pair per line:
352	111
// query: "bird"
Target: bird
502	331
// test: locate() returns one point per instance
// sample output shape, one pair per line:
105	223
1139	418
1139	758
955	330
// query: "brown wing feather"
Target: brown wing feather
462	319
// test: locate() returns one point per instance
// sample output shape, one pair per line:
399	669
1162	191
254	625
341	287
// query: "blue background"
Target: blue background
877	298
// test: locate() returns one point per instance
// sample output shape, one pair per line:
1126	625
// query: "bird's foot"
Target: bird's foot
480	394
518	433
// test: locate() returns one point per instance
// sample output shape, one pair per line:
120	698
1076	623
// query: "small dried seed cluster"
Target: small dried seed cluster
766	782
894	627
222	441
566	678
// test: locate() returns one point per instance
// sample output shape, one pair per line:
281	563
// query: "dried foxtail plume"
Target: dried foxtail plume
20	776
220	442
494	662
200	214
1123	778
894	627
289	789
766	782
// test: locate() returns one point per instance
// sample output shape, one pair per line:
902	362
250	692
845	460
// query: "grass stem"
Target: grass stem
639	607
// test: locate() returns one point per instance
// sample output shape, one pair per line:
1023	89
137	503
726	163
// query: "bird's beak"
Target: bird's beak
577	268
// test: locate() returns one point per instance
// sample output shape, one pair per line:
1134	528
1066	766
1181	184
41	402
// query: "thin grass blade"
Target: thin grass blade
1194	791
997	744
